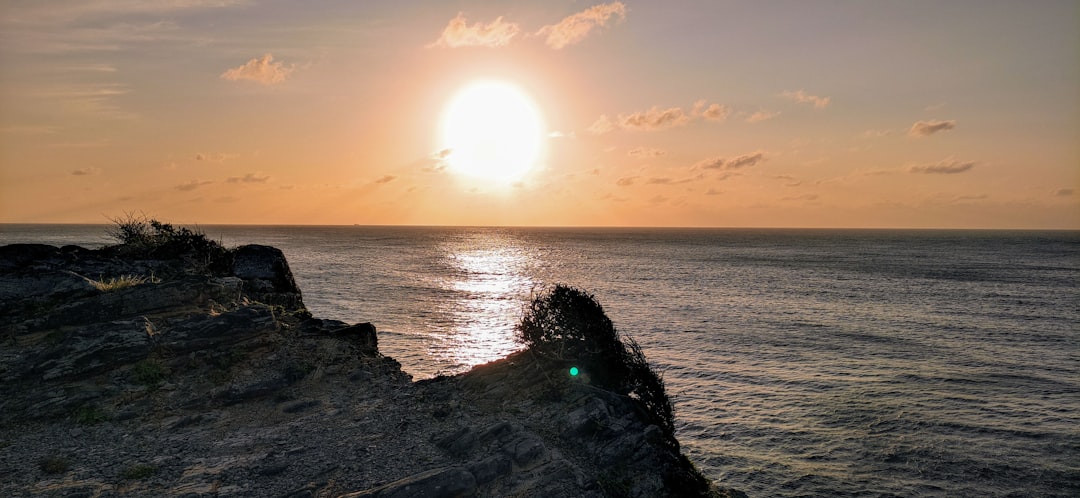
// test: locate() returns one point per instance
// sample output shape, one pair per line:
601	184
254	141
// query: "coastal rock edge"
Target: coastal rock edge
127	375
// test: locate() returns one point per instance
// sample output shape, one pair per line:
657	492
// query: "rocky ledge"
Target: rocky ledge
127	375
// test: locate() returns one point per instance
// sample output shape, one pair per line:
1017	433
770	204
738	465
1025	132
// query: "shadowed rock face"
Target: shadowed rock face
180	383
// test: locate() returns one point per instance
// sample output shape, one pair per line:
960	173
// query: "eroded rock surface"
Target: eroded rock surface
195	384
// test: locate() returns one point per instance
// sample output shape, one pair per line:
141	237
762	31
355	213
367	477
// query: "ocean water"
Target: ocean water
802	362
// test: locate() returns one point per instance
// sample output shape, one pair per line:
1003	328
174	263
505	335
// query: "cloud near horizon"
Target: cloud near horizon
459	33
192	185
385	179
736	162
262	70
248	178
574	28
645	152
927	128
946	167
805	98
86	171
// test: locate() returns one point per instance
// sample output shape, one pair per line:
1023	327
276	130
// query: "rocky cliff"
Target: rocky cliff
123	374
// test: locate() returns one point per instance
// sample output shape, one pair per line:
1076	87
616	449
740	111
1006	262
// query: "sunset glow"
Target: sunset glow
689	113
492	131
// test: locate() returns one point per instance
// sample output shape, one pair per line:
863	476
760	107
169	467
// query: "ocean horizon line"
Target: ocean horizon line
584	227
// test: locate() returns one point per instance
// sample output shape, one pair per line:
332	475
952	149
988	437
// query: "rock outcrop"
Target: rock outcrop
122	376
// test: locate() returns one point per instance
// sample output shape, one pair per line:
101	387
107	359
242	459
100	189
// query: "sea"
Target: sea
862	363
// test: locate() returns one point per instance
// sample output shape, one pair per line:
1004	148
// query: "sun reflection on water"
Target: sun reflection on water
489	278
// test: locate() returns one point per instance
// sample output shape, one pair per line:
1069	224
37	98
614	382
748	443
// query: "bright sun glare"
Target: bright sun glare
493	131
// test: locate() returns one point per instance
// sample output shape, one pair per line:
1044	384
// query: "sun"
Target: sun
493	131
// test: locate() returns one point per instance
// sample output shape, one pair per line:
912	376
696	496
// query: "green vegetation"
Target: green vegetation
149	372
89	414
148	237
139	471
122	282
567	327
54	465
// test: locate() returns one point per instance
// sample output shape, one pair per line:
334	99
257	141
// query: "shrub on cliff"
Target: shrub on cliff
567	326
147	237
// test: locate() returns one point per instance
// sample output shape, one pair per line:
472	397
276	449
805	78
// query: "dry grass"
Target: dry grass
122	282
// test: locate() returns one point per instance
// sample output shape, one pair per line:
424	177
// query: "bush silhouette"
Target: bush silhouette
150	238
567	326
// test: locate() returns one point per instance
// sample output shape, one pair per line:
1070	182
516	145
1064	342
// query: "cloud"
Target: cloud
217	158
946	167
248	178
654	119
714	112
644	152
736	162
262	70
559	134
86	171
667	181
804	197
805	98
602	125
385	179
1064	192
713	191
192	185
927	128
458	33
574	28
876	133
626	181
760	116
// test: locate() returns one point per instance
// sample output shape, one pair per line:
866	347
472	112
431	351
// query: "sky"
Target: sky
858	114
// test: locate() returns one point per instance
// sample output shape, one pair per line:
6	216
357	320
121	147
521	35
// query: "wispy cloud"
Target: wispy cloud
626	181
86	171
876	133
664	180
945	167
760	116
262	70
385	179
248	178
927	128
192	185
654	119
658	118
737	162
645	152
215	158
805	98
574	28
1064	192
459	33
711	112
602	125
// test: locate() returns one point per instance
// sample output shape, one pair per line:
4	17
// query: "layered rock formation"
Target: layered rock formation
123	375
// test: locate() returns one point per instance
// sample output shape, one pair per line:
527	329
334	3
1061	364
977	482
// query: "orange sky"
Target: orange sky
960	114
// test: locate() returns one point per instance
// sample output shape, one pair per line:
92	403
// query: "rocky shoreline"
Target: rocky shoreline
128	375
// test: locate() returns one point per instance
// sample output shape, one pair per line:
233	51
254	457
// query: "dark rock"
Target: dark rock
362	334
267	277
20	255
453	482
301	406
491	468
